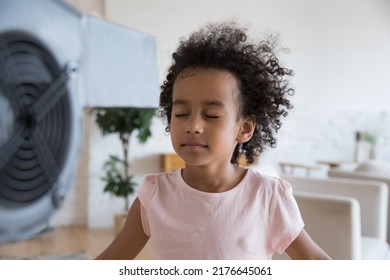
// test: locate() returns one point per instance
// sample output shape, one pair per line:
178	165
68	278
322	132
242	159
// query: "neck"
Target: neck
213	180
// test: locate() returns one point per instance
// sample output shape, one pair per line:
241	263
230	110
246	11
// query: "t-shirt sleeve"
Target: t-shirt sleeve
285	219
145	194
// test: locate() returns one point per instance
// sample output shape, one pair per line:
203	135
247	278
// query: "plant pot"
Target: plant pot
120	219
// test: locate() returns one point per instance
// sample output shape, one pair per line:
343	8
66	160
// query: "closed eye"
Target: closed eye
180	115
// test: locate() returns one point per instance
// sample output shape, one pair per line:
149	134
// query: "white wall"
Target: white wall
340	52
337	47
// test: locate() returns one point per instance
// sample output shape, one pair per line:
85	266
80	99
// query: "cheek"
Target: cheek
221	135
174	131
174	125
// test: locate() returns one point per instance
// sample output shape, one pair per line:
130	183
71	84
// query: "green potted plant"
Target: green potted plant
122	121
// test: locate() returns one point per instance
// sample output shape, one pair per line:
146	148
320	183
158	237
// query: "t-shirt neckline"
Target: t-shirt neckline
179	177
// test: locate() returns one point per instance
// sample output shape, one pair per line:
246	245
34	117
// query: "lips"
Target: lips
193	144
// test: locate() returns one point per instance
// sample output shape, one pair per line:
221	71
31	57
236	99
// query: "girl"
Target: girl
223	97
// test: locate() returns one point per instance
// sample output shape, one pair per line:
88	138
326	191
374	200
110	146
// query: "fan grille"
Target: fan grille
36	89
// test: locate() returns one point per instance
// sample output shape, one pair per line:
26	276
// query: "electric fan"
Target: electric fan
54	61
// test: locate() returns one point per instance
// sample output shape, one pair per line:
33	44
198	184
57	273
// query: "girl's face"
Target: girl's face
205	126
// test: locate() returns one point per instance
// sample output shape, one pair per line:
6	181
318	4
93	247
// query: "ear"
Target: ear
247	128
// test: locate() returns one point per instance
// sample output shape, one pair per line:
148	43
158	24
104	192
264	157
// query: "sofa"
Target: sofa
347	218
368	171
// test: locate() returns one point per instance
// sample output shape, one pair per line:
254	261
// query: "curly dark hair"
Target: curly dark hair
262	81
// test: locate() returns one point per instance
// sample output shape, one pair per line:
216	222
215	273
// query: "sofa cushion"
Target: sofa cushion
375	249
377	167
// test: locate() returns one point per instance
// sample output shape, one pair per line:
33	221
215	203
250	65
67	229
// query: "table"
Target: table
285	166
334	164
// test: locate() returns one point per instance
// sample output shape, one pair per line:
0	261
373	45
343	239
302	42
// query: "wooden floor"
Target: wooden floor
66	240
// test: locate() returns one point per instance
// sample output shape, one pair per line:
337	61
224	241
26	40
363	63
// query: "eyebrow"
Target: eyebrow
216	103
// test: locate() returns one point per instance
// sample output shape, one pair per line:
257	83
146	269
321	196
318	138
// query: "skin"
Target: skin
205	129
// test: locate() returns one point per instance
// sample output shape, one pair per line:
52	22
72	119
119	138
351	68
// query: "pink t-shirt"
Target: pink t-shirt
250	221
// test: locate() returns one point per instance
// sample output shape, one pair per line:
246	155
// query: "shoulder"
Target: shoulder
160	178
151	183
264	179
157	179
268	183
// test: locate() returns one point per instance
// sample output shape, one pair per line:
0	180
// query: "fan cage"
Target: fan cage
36	88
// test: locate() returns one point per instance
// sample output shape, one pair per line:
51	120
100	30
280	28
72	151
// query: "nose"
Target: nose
194	125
